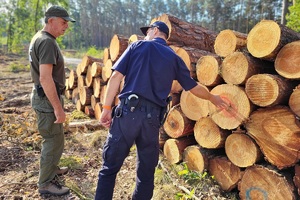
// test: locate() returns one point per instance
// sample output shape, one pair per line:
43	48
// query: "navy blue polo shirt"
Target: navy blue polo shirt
149	67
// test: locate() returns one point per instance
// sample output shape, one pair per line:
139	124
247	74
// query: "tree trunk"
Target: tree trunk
89	78
287	62
277	134
268	90
97	87
88	110
296	178
208	134
106	55
193	107
79	106
87	61
262	183
94	101
81	81
118	45
267	37
242	150
163	137
207	70
183	33
75	95
239	110
96	69
177	124
229	41
174	148
239	66
98	110
226	174
294	101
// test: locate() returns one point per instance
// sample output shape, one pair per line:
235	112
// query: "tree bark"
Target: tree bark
183	33
262	183
229	41
267	37
277	134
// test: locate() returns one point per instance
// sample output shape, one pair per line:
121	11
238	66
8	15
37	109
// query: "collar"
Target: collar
160	40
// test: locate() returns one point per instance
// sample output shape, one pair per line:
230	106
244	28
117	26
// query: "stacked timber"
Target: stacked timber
253	146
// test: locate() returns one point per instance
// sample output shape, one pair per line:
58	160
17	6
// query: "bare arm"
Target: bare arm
112	89
49	88
202	93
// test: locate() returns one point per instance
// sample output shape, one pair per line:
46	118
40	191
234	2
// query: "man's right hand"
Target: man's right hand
60	116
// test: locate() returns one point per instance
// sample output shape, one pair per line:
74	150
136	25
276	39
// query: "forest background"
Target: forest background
98	20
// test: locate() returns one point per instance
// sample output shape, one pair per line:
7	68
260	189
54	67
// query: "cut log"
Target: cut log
287	62
229	41
296	178
75	95
183	33
195	158
190	56
118	45
134	38
106	55
87	61
89	78
102	93
163	137
85	94
226	174
106	70
88	110
98	110
192	106
72	79
237	67
96	87
175	99
174	148
268	90
209	135
207	70
78	69
267	37
259	182
81	81
242	150
277	134
68	94
238	111
294	101
94	101
96	69
177	124
79	106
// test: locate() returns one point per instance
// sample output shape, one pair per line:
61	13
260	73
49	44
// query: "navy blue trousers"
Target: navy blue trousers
131	127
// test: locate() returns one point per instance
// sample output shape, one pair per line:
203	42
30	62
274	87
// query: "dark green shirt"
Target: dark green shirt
44	49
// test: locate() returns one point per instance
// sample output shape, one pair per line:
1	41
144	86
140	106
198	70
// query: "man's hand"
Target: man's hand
60	116
105	119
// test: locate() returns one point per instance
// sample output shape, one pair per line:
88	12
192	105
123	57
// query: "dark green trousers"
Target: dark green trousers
53	138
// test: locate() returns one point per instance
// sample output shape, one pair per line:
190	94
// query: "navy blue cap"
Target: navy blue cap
159	24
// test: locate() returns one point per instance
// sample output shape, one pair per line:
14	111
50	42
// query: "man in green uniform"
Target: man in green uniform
48	75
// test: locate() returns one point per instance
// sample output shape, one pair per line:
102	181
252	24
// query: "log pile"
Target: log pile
254	145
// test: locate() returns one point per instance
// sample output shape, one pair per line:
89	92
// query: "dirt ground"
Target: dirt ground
20	146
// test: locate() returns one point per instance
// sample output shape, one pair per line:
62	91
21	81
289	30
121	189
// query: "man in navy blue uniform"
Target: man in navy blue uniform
149	68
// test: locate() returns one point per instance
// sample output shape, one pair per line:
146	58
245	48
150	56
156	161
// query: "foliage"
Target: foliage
92	51
73	162
17	67
293	17
97	21
78	115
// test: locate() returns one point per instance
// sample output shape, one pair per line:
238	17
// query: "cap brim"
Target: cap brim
145	29
69	19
